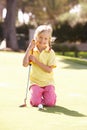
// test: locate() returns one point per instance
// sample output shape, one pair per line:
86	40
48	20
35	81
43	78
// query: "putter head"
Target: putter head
23	105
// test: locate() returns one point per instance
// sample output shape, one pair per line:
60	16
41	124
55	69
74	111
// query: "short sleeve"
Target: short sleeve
52	59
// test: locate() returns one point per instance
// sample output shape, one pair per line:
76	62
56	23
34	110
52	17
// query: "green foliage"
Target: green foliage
64	49
60	47
23	35
24	29
64	32
73	48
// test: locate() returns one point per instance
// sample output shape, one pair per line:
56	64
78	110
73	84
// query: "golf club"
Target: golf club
24	105
30	63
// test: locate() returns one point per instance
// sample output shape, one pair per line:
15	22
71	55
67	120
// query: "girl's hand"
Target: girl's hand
29	51
32	45
33	59
41	65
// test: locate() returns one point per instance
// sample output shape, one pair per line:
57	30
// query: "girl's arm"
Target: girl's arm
28	53
44	67
41	65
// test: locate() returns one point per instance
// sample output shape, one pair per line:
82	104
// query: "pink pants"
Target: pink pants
42	95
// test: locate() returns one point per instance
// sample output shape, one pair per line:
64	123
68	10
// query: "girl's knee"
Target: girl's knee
50	88
35	97
50	96
33	88
50	103
34	103
50	100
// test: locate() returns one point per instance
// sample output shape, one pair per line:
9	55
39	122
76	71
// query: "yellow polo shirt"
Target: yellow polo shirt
39	76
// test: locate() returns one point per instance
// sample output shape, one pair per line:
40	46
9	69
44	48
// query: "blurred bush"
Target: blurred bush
62	31
1	31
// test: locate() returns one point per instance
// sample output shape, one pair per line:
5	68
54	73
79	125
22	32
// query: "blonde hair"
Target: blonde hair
43	28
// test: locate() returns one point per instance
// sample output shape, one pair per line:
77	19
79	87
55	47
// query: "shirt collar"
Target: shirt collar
47	49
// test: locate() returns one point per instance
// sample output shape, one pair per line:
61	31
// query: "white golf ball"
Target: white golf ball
40	106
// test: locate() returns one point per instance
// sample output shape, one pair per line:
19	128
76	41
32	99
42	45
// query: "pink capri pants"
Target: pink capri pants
42	95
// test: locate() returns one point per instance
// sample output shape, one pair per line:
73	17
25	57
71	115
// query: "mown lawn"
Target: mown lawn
82	55
70	112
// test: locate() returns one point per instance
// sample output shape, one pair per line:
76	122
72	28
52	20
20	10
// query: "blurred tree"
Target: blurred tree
9	25
47	11
44	11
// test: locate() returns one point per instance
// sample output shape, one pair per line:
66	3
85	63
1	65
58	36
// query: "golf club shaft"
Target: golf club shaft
28	81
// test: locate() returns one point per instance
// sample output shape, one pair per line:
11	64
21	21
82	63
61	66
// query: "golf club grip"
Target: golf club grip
30	62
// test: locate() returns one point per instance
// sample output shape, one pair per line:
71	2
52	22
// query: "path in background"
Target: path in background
71	88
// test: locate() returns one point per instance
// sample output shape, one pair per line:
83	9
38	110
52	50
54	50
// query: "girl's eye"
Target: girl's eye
45	38
40	37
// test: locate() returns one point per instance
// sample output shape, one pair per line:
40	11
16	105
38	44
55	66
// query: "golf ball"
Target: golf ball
40	106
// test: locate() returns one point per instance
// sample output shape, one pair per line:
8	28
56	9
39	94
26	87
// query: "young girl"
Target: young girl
42	88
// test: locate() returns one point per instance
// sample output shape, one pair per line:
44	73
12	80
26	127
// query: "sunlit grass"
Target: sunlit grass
71	89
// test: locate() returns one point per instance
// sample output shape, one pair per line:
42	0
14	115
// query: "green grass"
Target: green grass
83	55
70	112
71	54
75	60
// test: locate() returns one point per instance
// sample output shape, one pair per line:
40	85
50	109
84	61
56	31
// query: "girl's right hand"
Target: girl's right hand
32	45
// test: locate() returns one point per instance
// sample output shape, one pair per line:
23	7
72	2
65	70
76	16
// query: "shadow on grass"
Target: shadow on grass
73	64
62	110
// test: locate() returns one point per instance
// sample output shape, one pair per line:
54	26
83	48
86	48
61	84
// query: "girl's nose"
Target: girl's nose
42	40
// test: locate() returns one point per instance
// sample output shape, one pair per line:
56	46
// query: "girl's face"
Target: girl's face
43	40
